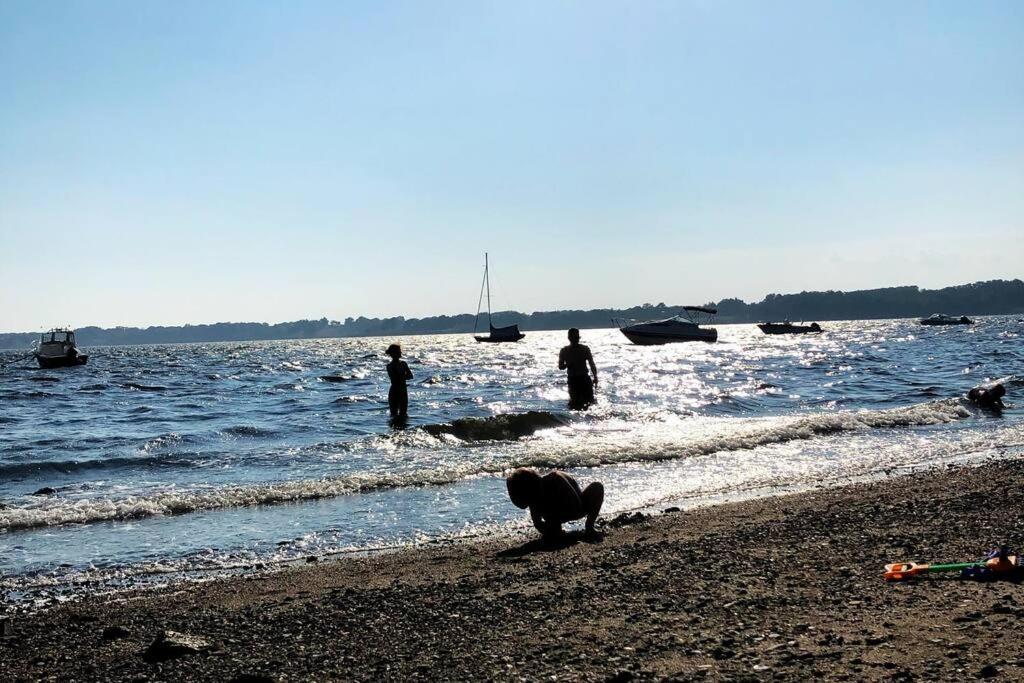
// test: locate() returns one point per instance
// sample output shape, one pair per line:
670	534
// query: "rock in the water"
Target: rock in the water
115	632
45	491
171	644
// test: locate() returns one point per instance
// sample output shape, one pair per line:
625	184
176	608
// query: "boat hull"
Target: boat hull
769	328
500	340
937	323
61	361
656	339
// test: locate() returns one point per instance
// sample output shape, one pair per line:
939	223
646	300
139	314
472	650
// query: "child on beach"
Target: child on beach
554	499
399	373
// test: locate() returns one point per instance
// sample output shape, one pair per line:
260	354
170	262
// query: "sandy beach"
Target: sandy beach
787	587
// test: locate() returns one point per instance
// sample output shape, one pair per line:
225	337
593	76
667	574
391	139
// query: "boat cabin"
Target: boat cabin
57	339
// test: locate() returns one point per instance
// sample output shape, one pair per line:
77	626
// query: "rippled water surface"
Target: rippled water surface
191	456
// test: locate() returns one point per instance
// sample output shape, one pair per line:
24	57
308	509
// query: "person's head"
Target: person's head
574	335
395	351
523	487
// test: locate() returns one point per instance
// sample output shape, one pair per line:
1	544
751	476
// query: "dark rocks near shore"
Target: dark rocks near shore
988	671
253	678
626	519
171	645
45	491
115	632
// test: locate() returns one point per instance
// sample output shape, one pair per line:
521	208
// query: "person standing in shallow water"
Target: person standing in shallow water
574	359
399	373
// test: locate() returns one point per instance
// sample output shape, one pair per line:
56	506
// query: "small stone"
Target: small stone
115	632
621	676
671	509
6	628
171	644
45	491
988	671
252	678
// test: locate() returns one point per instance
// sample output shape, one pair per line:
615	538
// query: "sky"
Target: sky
192	162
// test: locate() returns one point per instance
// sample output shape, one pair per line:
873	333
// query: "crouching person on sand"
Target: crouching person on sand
554	499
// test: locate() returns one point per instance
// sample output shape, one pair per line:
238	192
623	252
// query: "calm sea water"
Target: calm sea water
169	460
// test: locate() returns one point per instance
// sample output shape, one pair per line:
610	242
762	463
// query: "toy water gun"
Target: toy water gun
1000	563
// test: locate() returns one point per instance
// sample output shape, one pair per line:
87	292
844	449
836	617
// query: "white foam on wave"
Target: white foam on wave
749	435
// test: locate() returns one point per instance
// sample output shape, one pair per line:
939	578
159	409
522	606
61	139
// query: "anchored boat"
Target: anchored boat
680	328
57	349
786	327
943	319
509	333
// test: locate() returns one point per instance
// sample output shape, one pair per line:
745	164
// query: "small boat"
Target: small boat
57	349
496	335
680	328
786	327
943	319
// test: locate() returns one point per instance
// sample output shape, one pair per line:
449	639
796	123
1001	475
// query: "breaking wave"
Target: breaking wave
70	466
55	511
135	386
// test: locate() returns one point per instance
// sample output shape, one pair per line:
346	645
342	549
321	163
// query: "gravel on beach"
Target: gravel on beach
788	587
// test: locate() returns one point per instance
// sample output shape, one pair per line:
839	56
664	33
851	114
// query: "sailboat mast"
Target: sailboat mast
487	279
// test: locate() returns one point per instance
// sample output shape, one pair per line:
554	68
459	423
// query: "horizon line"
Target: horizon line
506	311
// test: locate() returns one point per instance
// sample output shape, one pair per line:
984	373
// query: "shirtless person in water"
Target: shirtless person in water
574	359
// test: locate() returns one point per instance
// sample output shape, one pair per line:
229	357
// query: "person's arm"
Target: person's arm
561	359
537	520
593	368
408	372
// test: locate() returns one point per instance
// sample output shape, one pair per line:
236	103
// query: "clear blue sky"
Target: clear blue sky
172	162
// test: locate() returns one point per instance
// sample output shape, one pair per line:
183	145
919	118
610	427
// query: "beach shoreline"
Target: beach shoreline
781	587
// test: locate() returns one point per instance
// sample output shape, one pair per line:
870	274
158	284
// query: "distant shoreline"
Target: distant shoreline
387	335
995	297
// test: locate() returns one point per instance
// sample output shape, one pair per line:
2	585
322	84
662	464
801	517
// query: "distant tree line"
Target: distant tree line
994	297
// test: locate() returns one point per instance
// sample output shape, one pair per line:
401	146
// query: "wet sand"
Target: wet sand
787	587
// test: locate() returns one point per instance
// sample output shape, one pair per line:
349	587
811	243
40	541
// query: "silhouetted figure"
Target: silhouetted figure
399	373
991	398
554	499
574	359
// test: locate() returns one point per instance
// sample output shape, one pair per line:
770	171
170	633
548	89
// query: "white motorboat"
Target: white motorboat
57	349
680	328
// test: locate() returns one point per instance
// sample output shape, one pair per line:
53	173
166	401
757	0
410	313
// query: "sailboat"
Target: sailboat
509	333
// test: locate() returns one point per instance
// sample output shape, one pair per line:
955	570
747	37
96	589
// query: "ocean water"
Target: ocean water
174	460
